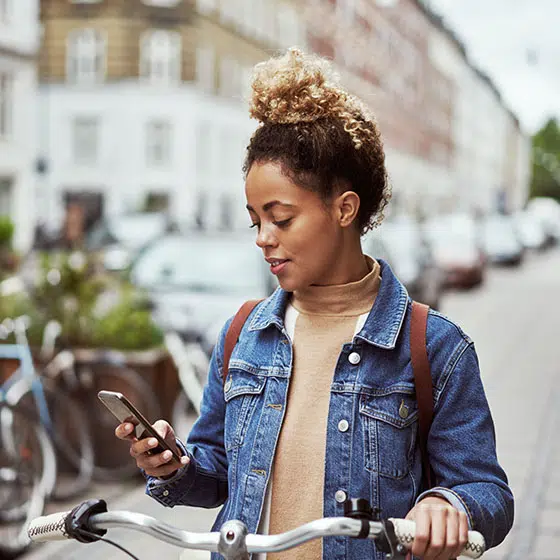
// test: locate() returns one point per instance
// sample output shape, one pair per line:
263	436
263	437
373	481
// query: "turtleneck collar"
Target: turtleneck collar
351	299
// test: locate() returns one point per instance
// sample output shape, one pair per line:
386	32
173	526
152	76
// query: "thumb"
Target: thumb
164	429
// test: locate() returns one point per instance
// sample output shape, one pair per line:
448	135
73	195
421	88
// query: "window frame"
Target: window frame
151	60
74	56
79	156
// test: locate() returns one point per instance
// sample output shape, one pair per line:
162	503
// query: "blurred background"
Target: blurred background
124	243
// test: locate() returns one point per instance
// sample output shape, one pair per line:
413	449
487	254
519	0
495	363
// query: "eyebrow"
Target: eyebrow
270	205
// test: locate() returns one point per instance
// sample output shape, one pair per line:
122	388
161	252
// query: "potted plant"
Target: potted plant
8	257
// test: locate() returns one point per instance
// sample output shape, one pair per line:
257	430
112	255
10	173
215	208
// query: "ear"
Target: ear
347	206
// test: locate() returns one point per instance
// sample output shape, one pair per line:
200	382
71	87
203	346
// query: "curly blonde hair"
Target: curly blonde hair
318	132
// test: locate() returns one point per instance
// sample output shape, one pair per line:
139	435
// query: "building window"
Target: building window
5	10
206	6
86	54
160	58
6	104
158	143
161	3
206	68
85	140
230	77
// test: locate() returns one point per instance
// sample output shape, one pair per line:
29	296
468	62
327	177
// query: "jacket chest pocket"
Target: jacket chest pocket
389	422
241	393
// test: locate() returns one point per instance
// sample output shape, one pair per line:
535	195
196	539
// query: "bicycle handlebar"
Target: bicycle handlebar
233	541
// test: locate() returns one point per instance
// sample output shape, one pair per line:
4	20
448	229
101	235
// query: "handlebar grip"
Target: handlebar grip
405	531
49	527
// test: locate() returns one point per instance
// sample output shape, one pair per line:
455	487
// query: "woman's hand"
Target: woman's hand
441	530
161	465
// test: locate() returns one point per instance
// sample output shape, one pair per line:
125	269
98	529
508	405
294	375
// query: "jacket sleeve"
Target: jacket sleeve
204	481
462	451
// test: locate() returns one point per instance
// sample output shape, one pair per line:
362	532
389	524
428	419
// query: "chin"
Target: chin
292	284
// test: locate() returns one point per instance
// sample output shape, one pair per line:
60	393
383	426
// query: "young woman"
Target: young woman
319	401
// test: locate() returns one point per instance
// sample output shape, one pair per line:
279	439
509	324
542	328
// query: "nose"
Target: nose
265	238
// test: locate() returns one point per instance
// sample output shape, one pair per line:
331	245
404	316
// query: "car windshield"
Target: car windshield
456	233
202	265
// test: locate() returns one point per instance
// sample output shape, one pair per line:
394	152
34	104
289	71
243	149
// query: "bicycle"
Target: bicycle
192	363
63	419
89	521
104	370
27	476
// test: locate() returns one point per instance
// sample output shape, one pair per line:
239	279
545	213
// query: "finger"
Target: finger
452	548
422	533
438	532
155	461
124	431
142	446
463	533
164	469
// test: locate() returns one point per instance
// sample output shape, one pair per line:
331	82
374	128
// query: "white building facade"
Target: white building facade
19	40
491	164
119	142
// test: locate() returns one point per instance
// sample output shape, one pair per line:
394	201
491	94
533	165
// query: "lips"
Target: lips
277	265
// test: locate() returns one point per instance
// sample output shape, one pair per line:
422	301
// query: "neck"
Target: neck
351	265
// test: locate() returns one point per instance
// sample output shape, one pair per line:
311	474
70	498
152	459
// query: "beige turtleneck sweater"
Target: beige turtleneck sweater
319	320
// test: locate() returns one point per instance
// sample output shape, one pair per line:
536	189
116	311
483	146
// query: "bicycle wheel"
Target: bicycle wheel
27	475
183	414
69	431
112	460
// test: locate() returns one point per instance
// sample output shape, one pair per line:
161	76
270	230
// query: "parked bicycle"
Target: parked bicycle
105	370
62	417
89	522
192	363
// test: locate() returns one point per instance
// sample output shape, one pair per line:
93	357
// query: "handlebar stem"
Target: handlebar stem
232	540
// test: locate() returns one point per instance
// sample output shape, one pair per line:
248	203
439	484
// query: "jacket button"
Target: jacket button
343	425
166	493
354	358
227	386
340	496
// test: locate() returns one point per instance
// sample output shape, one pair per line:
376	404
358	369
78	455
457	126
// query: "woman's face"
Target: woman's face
299	235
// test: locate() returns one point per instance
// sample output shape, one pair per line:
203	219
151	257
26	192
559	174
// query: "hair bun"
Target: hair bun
296	87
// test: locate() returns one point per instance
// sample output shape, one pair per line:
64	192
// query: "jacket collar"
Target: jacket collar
382	326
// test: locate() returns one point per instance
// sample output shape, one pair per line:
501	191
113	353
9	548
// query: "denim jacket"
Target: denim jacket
374	454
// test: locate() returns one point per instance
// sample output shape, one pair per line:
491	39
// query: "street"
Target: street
513	319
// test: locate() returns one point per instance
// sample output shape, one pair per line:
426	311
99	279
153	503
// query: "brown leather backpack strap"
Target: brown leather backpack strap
232	335
423	382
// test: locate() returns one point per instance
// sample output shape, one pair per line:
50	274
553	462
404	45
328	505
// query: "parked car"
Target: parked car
530	231
120	237
500	241
197	281
456	246
547	211
401	244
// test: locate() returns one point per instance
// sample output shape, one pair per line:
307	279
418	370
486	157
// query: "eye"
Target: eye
283	223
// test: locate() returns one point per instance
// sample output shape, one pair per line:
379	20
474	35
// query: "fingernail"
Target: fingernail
127	427
167	455
153	442
185	460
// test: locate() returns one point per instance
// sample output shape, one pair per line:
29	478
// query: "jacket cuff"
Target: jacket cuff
165	490
452	497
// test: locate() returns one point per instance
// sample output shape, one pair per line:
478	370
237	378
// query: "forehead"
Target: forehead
266	182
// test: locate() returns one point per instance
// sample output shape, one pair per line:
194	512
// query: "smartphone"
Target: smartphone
125	411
